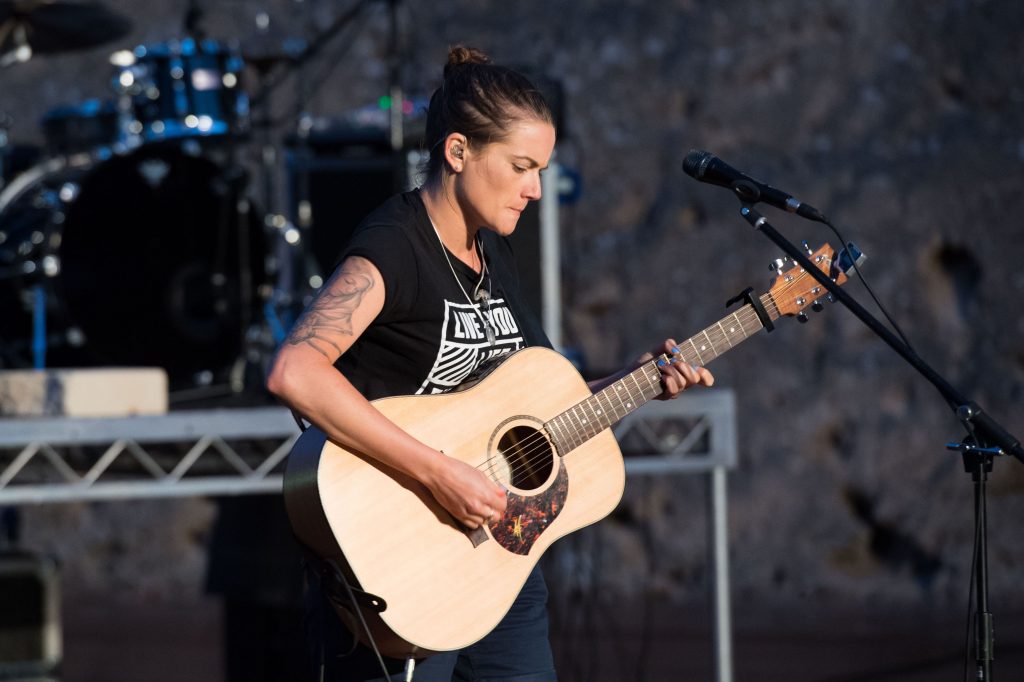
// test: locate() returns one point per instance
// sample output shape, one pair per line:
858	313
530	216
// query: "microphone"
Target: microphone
707	167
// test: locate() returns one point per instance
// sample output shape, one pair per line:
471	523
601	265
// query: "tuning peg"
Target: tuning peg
817	306
801	317
777	265
807	248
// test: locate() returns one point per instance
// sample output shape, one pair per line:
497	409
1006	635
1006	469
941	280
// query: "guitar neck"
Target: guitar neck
586	419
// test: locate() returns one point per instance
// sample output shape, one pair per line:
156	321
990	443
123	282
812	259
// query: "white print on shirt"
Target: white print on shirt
464	345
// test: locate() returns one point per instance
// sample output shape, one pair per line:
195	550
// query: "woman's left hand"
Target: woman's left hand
676	374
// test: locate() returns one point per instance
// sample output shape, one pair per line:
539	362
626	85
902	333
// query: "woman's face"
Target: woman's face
500	178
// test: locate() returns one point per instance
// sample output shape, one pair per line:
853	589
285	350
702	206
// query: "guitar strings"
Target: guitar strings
537	443
535	447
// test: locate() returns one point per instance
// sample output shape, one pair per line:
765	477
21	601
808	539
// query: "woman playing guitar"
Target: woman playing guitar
426	292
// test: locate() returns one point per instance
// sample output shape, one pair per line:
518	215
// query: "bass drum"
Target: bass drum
146	259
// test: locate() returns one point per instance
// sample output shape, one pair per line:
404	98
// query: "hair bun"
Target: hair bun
460	54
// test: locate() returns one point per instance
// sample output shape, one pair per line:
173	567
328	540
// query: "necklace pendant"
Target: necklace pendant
490	334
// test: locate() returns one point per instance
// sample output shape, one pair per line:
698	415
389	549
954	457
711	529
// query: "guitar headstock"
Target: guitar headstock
794	288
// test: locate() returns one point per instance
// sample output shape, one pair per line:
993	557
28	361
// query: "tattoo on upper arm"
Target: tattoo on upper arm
330	313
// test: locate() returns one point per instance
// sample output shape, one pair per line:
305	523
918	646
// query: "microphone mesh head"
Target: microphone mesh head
696	162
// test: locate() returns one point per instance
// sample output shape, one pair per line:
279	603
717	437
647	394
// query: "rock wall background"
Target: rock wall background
900	119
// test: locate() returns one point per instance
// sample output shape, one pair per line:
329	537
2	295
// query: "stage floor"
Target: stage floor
110	638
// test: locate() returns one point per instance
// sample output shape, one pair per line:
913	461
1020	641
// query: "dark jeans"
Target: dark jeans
517	650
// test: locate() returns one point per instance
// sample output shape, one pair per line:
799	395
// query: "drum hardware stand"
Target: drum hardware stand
291	288
295	273
235	215
397	136
38	327
239	213
21	52
987	437
193	18
296	61
5	123
247	371
274	224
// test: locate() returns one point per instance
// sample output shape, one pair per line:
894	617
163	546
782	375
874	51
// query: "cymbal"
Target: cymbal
51	26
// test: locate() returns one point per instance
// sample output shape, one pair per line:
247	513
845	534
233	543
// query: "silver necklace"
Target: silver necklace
481	294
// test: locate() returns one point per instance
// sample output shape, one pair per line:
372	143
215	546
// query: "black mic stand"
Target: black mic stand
986	437
978	463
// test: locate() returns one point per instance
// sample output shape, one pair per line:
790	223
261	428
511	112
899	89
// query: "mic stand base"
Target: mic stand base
978	463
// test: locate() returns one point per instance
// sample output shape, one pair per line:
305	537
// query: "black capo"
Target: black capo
755	302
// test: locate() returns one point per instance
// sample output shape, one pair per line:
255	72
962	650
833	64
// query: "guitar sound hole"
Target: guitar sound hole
527	457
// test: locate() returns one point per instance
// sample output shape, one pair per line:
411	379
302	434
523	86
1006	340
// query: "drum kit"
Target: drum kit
131	238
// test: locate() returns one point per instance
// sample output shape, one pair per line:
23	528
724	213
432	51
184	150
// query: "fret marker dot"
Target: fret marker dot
732	329
703	347
629	404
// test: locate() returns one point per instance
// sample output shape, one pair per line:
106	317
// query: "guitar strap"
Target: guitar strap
329	576
502	266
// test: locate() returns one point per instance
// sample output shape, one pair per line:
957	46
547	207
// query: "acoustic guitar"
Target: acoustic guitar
423	582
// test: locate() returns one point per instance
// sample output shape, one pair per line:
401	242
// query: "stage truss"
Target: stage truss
243	451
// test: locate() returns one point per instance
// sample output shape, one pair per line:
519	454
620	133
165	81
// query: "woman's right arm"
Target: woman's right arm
303	376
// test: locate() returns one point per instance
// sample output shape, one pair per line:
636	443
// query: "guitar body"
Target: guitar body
423	582
437	585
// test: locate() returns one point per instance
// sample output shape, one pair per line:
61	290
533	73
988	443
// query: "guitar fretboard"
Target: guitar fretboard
591	416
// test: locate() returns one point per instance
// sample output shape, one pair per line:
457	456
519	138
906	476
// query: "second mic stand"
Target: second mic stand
986	437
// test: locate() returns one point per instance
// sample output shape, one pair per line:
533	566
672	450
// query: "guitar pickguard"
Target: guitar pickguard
527	516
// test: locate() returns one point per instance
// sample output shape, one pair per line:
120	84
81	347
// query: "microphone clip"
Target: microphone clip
747	191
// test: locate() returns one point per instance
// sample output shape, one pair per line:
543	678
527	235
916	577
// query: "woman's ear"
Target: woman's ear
455	146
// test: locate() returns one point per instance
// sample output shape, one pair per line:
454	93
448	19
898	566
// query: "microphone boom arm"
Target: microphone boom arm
983	425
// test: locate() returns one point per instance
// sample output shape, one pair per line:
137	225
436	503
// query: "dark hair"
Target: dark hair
480	100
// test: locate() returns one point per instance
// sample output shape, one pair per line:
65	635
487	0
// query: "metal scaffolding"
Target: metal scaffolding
242	451
181	454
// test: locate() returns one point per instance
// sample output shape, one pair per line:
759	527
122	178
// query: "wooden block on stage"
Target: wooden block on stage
91	392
